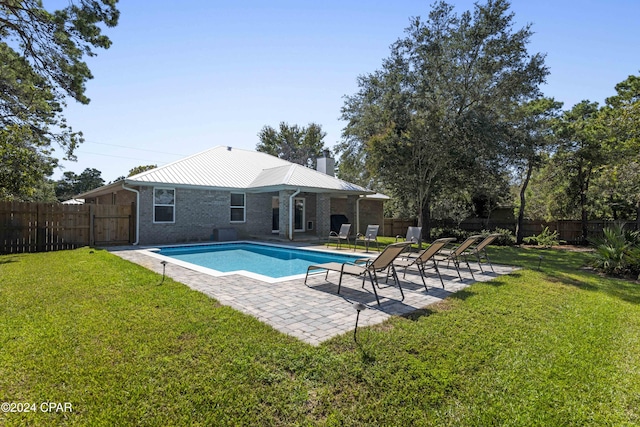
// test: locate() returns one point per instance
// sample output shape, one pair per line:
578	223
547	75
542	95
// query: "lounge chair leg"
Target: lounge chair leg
486	255
422	273
435	266
479	262
395	277
457	265
470	270
373	285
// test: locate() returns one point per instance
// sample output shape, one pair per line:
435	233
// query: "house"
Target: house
226	193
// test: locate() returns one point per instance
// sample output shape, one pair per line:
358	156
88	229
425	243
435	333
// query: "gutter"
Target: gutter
137	212
291	213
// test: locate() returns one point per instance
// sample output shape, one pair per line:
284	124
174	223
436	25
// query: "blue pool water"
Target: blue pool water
271	261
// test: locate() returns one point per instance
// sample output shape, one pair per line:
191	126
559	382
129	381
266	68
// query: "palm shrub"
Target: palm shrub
617	252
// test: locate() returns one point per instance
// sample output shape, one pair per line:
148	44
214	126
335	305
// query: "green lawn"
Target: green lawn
558	346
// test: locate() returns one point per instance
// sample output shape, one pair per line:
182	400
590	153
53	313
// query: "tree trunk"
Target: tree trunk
523	189
425	219
584	219
638	215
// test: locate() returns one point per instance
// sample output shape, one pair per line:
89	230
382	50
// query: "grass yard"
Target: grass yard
549	347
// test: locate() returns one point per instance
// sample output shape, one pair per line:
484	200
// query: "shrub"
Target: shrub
460	235
617	252
546	238
506	237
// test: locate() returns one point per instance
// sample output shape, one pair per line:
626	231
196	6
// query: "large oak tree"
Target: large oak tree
436	111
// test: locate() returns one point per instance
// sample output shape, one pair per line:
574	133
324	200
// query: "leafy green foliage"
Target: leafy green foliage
531	139
302	145
594	173
618	251
72	184
140	169
23	167
546	238
580	154
506	237
42	54
432	117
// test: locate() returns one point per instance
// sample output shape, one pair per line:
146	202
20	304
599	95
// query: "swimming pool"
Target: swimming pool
261	261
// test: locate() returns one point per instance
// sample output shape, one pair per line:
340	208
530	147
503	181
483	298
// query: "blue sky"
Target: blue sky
185	76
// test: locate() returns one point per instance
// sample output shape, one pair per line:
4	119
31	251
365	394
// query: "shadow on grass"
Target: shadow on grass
567	268
417	314
8	261
625	290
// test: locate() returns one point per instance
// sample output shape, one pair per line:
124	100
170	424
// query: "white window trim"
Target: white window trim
304	214
276	198
244	208
156	204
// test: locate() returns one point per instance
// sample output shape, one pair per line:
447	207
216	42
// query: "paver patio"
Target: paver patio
315	313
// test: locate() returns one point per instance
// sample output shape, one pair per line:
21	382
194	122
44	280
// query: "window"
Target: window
298	215
238	207
164	204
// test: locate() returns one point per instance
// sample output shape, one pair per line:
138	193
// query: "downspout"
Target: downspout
291	213
137	212
360	197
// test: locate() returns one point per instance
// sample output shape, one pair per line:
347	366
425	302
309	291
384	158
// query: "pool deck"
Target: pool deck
315	313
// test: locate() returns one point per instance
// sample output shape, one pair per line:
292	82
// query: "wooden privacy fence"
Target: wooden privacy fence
568	230
397	227
41	227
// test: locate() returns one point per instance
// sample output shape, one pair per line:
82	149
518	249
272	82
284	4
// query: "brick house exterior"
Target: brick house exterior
224	189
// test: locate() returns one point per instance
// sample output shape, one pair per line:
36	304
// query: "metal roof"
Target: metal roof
226	167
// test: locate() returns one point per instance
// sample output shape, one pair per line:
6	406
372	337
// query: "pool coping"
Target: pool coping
150	251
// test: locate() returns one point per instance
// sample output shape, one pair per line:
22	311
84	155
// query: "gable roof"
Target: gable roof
231	168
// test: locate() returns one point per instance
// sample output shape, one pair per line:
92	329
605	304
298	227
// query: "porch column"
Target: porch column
323	215
283	221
